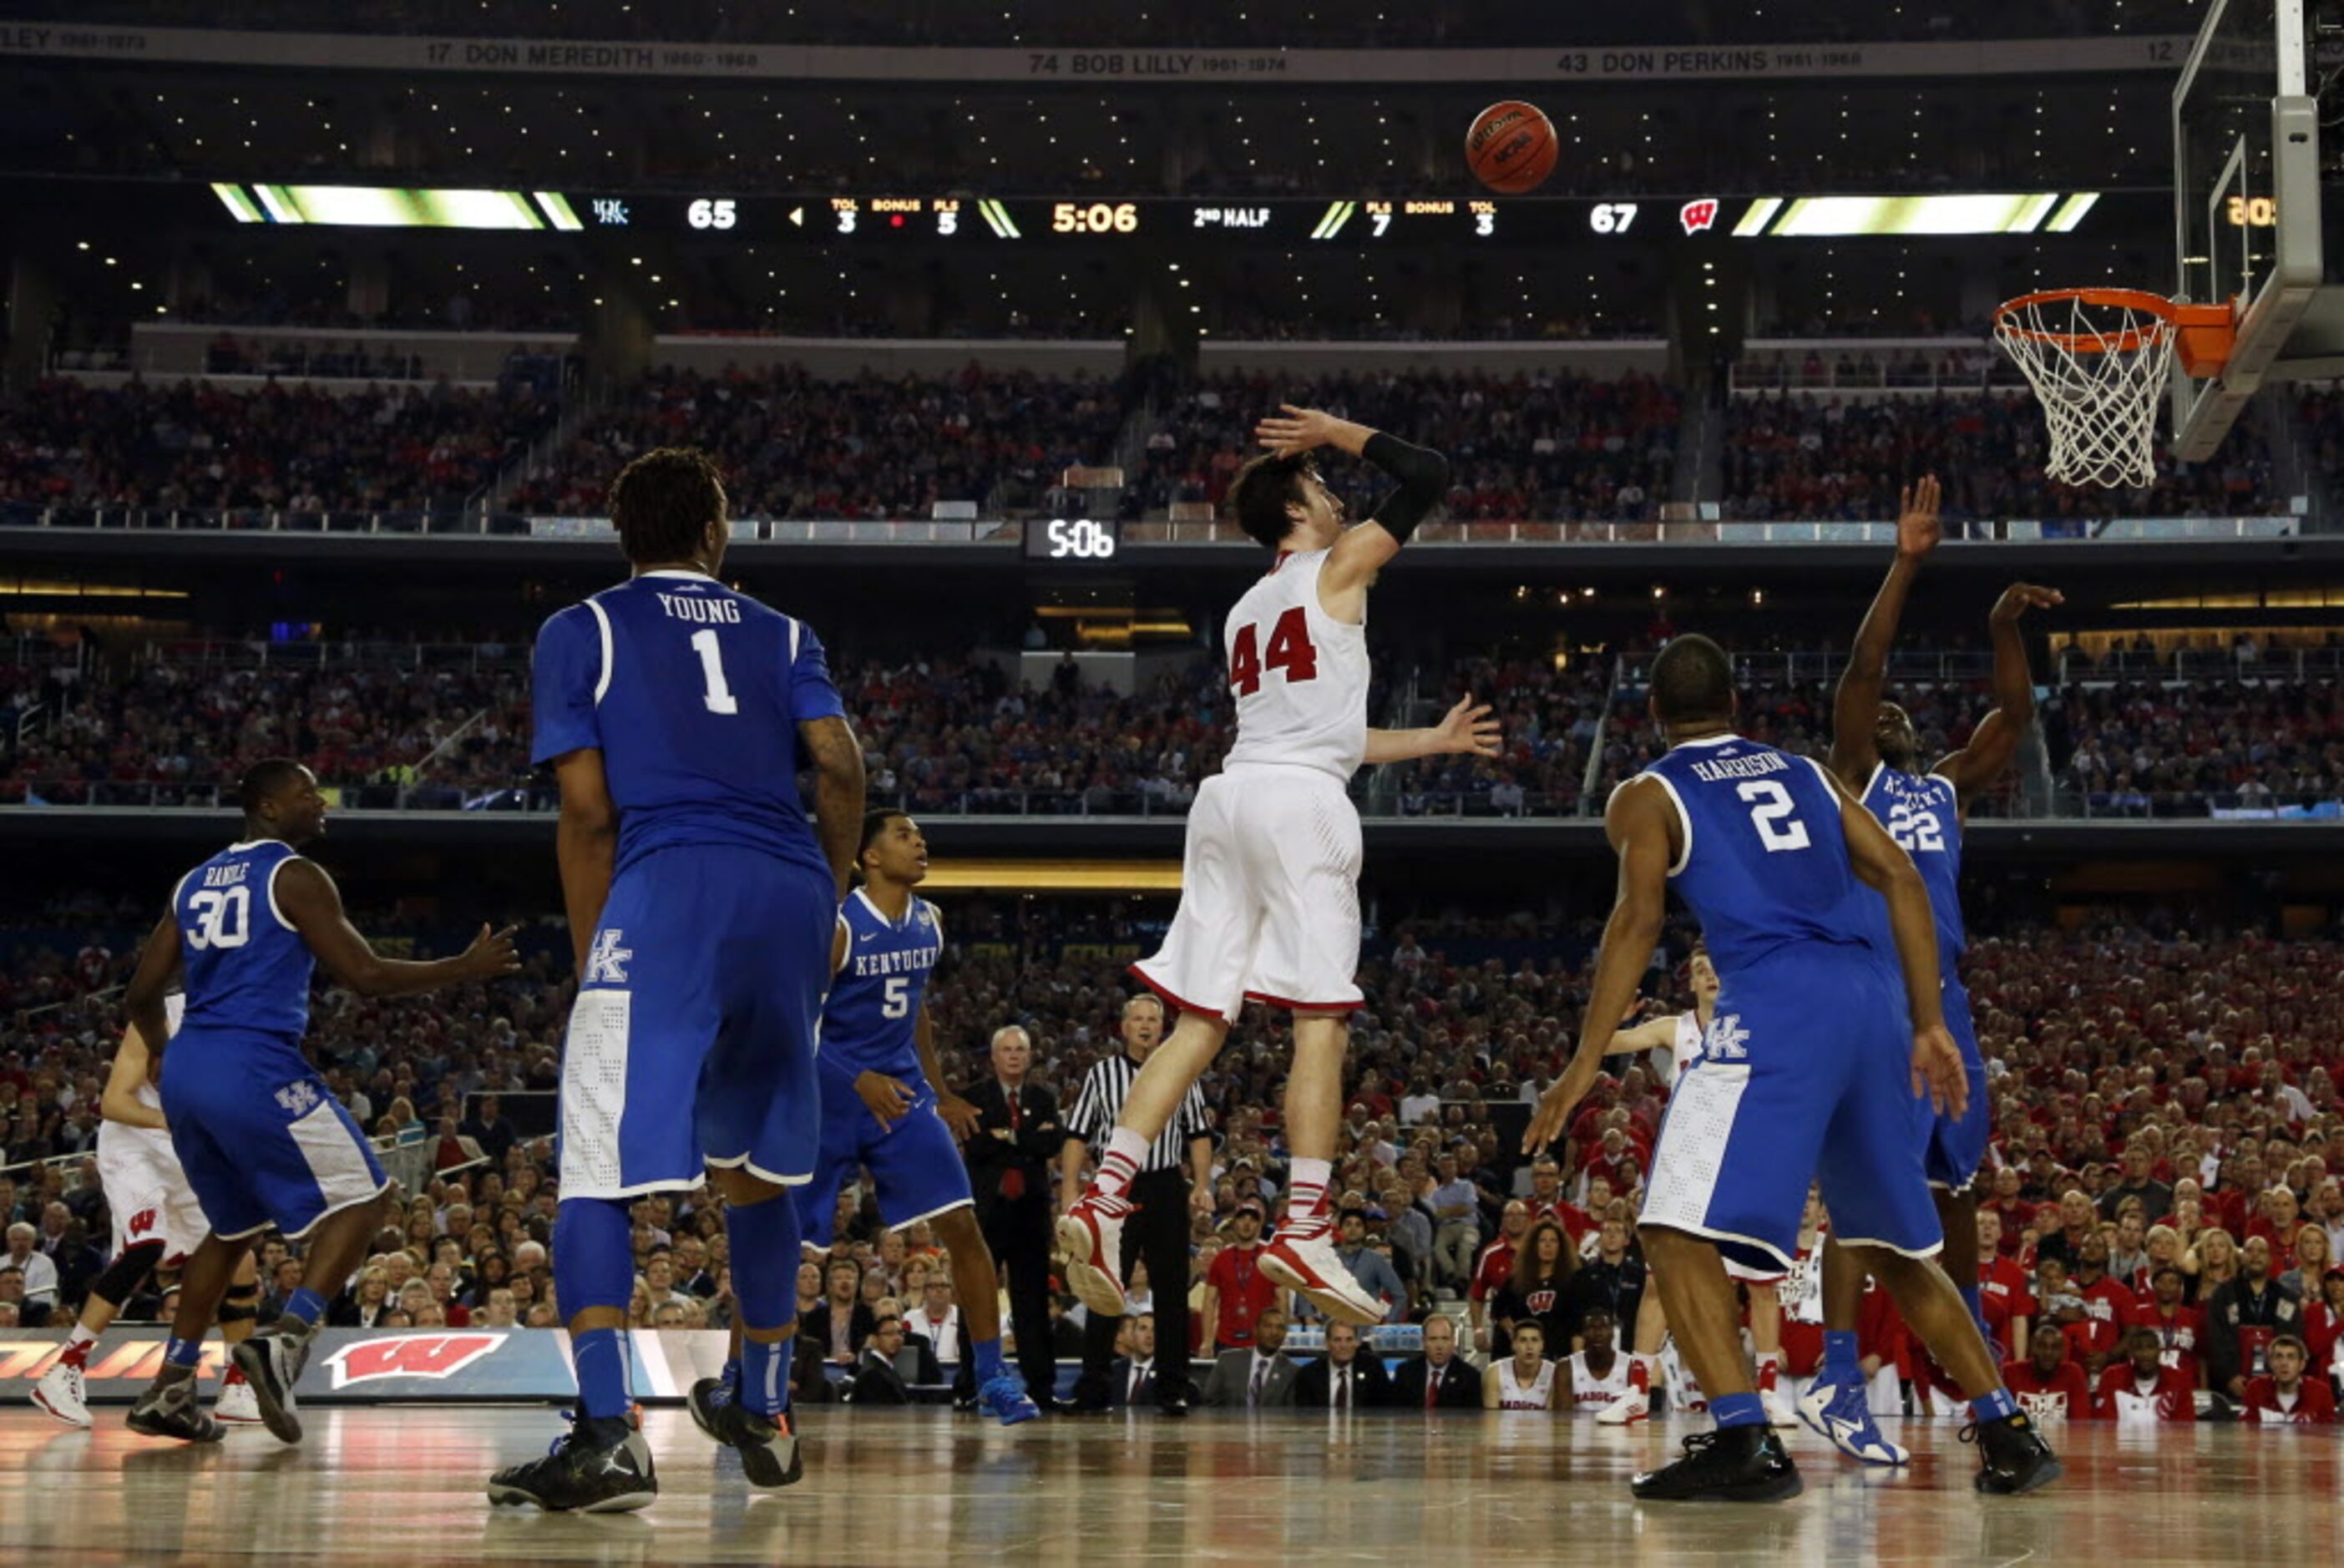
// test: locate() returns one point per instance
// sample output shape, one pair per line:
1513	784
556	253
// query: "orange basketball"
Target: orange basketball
1511	148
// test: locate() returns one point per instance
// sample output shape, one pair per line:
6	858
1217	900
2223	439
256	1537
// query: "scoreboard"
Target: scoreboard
977	220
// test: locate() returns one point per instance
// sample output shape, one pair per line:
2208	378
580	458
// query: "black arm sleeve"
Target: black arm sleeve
1423	476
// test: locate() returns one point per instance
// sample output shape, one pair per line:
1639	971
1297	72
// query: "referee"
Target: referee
1157	1231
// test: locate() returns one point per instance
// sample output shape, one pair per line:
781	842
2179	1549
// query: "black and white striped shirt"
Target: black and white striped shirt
1101	1101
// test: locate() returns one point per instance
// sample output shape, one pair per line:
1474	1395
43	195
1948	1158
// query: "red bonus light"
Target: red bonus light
896	222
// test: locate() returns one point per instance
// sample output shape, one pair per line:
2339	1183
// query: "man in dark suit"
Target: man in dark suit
1257	1376
1346	1378
1443	1380
1131	1377
1009	1156
877	1379
840	1322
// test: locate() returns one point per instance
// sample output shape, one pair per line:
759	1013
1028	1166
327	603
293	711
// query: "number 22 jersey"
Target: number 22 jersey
1922	814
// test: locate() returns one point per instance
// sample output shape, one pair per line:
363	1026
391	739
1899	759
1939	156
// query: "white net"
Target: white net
2099	370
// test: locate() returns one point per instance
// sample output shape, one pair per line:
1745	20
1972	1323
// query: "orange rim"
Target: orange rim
2190	320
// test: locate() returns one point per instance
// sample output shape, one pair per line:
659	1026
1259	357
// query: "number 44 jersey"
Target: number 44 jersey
1299	676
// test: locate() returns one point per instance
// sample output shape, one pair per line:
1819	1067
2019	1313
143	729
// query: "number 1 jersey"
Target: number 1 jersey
694	693
1299	676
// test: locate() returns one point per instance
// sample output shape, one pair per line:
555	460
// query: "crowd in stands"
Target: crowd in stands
288	448
2160	1099
874	446
1546	444
2153	747
1801	456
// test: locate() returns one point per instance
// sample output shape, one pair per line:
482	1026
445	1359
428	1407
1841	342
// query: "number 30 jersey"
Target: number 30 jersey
247	970
1299	676
1922	814
1765	864
866	1024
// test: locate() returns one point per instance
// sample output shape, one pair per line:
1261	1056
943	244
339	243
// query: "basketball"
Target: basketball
1510	148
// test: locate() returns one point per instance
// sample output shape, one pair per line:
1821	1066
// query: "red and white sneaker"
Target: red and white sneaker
1091	1235
1629	1408
236	1404
1310	1264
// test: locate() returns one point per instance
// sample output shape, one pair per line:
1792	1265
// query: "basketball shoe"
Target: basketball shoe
2014	1460
60	1393
596	1467
235	1404
1840	1413
271	1363
1004	1398
1629	1408
1731	1464
170	1409
1307	1262
1091	1233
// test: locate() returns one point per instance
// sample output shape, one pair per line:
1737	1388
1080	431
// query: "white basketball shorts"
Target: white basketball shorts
147	1192
1269	897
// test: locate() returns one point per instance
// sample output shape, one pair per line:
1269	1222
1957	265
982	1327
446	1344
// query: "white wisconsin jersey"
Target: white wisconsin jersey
1590	1393
1299	676
1670	1066
1801	1290
1513	1396
175	1007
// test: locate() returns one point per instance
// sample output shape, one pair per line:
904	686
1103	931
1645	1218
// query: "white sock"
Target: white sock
80	1337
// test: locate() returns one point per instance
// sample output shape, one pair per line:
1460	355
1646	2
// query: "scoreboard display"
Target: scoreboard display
978	220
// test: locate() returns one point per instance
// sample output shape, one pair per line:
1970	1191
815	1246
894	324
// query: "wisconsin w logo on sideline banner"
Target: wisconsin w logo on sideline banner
409	1356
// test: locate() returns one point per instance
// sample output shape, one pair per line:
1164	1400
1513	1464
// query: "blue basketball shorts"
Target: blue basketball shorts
262	1139
1956	1145
915	1166
1806	1075
691	1043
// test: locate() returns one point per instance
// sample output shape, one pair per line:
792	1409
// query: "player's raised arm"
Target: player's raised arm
1881	864
837	792
1420	474
157	962
1995	740
1855	710
1467	731
313	906
1641	825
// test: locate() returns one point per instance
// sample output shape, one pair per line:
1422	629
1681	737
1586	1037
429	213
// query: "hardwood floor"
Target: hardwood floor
401	1486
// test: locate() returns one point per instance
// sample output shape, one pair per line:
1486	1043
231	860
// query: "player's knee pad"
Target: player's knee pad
593	1255
240	1305
763	1239
120	1280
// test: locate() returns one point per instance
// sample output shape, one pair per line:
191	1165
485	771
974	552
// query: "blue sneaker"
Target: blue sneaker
1839	1413
1003	1396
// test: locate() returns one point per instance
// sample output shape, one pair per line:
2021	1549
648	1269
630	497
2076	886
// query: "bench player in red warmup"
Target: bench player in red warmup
1270	903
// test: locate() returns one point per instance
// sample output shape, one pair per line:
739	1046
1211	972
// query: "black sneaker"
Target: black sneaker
708	1396
272	1363
1731	1464
768	1445
172	1408
1173	1400
598	1467
2013	1458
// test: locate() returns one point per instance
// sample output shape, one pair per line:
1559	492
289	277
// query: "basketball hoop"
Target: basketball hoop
2098	358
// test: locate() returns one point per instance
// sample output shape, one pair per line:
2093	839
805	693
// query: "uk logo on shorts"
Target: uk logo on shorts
299	1099
606	962
1727	1039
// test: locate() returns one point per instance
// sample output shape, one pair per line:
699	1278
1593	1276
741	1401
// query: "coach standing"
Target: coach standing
1017	1136
1157	1231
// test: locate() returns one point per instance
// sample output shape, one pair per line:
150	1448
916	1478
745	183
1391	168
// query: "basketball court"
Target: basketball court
403	1486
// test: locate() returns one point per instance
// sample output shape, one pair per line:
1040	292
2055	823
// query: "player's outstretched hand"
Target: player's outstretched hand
493	954
889	1099
1917	529
1295	431
1555	1106
1937	1070
2019	598
1469	729
959	1115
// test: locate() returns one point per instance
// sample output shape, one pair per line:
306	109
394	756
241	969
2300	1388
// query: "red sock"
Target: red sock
1766	1365
1115	1173
232	1374
76	1356
1639	1374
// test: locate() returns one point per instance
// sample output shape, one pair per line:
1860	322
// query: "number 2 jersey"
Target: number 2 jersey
247	969
874	1000
1299	676
693	694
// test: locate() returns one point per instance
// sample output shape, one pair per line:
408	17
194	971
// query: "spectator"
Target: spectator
1236	1292
1539	1292
2284	1394
1258	1375
2048	1385
2243	1317
1441	1379
1372	1268
1346	1378
1131	1375
878	1378
37	1274
843	1321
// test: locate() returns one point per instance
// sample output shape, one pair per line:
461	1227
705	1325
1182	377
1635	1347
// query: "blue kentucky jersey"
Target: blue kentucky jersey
866	1024
1764	866
246	968
694	693
1922	814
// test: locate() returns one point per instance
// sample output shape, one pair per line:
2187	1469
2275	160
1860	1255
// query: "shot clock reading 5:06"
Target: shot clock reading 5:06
1094	218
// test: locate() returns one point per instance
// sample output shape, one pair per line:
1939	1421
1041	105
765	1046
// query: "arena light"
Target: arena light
389	206
1831	217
